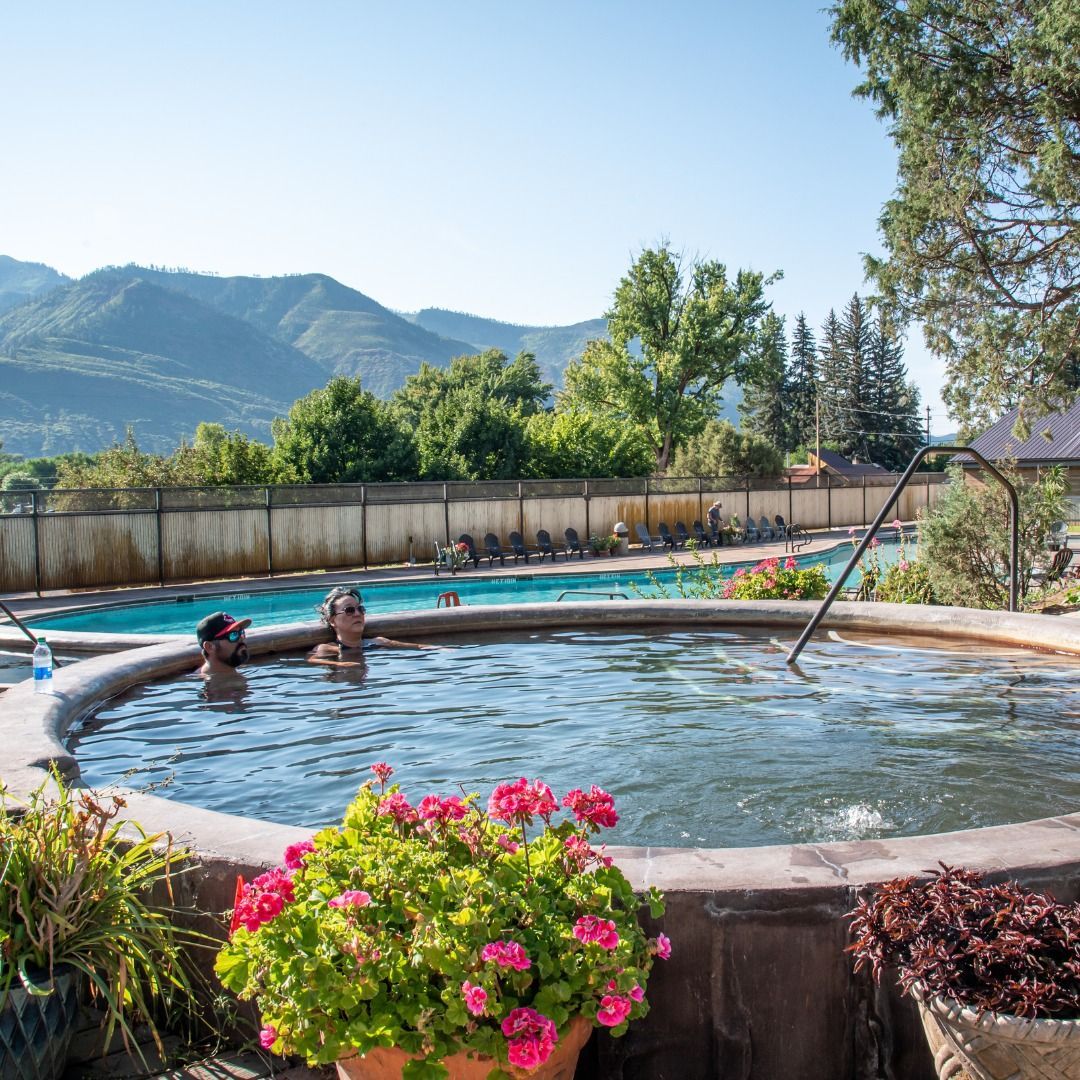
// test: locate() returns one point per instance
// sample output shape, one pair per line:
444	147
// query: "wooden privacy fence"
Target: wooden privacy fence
138	536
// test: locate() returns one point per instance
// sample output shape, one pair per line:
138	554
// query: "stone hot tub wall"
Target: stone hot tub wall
758	987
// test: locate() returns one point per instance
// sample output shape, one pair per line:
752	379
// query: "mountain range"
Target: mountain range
162	350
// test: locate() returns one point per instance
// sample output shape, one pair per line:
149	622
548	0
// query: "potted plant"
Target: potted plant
443	938
603	545
995	970
77	916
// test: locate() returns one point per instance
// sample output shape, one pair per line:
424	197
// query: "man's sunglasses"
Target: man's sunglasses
232	635
350	609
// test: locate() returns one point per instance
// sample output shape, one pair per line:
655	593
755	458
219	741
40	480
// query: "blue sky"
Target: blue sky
503	159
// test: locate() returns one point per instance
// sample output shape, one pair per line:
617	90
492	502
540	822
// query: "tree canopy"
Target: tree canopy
982	239
722	450
677	333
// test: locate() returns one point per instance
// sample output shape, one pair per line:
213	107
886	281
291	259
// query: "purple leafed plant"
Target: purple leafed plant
997	948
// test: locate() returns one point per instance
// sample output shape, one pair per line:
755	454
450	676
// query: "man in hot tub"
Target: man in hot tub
223	643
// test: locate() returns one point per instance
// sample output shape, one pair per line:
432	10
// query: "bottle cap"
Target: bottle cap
41	641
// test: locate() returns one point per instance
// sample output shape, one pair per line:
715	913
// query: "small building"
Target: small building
830	463
1054	440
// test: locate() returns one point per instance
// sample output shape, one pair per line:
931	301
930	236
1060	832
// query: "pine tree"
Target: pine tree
763	407
893	401
832	380
801	386
856	419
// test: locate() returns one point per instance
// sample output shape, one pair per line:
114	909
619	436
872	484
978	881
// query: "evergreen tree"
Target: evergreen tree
833	378
855	420
892	400
801	386
764	407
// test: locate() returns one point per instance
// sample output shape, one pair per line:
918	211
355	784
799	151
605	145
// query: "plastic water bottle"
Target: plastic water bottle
42	667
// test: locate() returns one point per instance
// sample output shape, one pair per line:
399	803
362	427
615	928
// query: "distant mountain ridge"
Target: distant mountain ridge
163	350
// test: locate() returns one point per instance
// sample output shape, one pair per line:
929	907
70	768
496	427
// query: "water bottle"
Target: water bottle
42	667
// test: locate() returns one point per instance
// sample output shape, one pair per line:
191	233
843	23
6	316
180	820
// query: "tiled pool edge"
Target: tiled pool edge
759	931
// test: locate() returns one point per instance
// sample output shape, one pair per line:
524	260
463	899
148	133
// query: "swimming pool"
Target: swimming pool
179	615
705	737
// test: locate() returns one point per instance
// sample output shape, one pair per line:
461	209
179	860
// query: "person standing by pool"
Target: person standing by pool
714	519
223	642
343	612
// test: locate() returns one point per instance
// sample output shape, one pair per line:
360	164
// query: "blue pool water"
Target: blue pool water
705	737
178	615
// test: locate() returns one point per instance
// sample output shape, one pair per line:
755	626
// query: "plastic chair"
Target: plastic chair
573	544
494	550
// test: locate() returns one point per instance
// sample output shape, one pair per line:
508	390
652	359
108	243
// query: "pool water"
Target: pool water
179	615
706	738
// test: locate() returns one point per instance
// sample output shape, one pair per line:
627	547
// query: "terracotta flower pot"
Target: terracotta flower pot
386	1063
998	1046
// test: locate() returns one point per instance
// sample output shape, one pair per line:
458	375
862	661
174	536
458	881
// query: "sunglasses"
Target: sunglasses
232	635
350	609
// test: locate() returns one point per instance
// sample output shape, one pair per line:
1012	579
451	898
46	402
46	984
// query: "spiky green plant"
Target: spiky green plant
79	886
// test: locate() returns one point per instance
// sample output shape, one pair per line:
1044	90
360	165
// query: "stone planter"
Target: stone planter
998	1046
35	1030
386	1063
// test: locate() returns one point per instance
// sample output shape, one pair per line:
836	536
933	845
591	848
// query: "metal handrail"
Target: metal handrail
589	592
926	451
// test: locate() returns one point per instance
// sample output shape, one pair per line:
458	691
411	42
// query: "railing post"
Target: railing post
446	510
790	503
648	524
269	534
828	498
363	521
160	538
521	509
37	541
747	518
864	500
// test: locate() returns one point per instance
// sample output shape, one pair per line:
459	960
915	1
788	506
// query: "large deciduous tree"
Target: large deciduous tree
722	450
983	247
677	333
341	434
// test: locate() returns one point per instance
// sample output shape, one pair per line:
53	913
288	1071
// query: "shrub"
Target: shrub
988	947
773	580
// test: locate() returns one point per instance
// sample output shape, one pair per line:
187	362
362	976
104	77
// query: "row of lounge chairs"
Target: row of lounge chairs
715	537
518	549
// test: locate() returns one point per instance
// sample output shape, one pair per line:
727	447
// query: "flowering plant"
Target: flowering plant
439	927
603	543
772	579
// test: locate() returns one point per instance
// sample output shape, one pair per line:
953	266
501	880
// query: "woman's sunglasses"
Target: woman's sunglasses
350	609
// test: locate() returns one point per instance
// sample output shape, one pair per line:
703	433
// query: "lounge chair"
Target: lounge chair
765	529
702	536
573	544
1058	565
471	556
517	546
681	535
543	545
750	533
781	528
494	550
665	535
645	539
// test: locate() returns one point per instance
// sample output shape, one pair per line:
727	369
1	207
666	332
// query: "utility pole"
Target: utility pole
817	437
927	425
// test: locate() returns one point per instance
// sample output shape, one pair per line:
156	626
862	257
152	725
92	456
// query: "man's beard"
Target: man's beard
239	656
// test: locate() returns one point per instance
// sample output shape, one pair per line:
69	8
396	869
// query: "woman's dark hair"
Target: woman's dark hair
326	608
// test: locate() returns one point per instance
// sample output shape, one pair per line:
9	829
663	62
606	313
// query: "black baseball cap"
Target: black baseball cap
218	625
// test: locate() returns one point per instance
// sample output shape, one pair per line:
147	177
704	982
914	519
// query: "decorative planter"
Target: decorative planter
386	1063
35	1031
998	1046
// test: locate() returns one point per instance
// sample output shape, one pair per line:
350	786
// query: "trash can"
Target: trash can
623	533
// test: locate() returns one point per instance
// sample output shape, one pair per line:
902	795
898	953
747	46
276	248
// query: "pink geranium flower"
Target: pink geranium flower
636	993
897	523
382	771
531	1038
475	998
435	808
663	946
351	898
507	954
614	1009
397	807
294	854
506	843
591	928
521	801
267	1037
597	807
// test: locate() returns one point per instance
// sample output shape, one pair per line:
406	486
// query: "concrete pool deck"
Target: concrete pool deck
758	986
